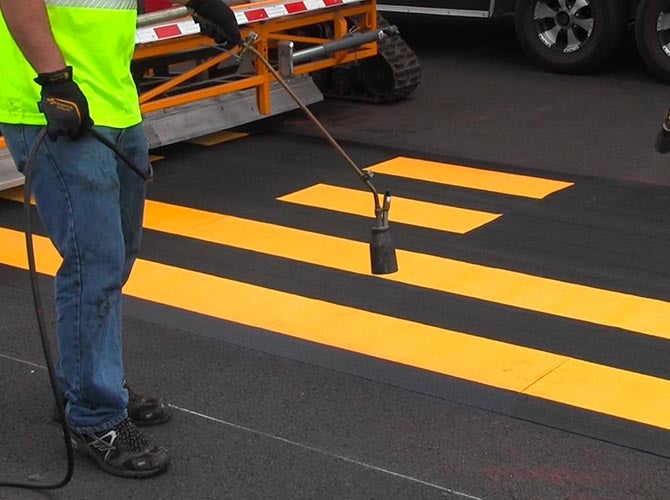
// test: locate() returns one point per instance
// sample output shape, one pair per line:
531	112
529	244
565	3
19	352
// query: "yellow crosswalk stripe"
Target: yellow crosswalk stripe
544	295
581	384
405	211
218	138
15	194
535	293
469	177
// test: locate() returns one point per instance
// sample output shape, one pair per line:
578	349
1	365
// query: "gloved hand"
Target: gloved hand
216	20
662	144
63	104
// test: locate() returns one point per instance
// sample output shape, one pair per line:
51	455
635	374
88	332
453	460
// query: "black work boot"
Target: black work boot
143	412
122	450
146	411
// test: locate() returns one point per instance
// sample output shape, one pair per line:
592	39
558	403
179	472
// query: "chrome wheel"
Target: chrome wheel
564	25
663	30
652	36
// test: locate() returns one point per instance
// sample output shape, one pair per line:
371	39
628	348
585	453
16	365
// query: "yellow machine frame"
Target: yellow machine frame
270	32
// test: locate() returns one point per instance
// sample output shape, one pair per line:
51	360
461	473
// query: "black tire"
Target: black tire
570	36
652	35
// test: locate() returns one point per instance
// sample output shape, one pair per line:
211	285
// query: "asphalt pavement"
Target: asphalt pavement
296	375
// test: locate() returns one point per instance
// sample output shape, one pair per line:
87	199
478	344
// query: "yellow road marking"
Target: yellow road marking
469	177
15	194
154	158
405	211
628	395
217	138
594	305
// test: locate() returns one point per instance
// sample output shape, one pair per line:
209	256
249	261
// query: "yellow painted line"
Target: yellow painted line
469	177
405	211
15	194
628	395
594	305
544	295
218	138
153	158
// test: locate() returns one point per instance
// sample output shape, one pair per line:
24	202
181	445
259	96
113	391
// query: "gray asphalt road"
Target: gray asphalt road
263	416
482	100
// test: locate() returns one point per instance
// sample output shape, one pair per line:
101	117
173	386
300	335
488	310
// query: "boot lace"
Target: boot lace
130	436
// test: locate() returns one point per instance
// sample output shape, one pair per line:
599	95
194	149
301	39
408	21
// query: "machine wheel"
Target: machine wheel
652	34
570	36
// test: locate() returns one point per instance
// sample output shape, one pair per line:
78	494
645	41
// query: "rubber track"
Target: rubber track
404	65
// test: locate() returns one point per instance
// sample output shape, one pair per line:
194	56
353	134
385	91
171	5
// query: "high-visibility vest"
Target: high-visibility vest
97	38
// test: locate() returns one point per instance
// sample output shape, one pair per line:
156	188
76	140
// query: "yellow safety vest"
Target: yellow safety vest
97	38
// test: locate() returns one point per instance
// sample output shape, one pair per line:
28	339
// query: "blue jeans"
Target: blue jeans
91	205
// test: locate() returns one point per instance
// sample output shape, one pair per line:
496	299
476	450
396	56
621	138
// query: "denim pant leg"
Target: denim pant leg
133	192
93	215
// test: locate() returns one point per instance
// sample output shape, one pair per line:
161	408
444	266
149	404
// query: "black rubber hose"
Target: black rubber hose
34	285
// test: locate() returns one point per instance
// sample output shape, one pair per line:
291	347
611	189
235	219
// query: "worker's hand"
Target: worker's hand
216	20
63	104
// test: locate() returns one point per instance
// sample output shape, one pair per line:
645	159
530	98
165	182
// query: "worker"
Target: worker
66	66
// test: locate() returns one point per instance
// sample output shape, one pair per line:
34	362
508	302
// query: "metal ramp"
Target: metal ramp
9	176
188	121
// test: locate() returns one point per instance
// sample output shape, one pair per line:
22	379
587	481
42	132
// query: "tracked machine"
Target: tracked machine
189	87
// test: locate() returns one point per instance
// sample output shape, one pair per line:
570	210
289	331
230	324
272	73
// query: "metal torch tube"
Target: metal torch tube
348	42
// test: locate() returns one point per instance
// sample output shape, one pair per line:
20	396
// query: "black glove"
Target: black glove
662	144
216	21
63	104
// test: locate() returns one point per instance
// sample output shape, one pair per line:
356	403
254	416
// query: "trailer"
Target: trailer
190	87
567	36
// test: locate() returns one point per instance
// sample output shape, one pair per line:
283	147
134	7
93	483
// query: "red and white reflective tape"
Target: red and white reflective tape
250	13
244	14
173	29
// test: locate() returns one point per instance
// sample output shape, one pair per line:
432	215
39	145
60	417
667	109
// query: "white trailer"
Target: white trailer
568	36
